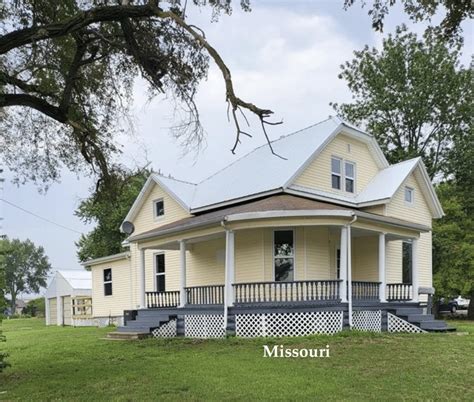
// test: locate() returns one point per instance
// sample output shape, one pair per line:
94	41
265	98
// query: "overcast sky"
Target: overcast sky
284	55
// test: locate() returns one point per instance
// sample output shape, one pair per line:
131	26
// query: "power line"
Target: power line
38	216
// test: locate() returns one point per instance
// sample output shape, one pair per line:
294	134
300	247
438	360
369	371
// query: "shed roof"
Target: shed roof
77	278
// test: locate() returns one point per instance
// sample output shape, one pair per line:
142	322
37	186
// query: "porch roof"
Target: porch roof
273	205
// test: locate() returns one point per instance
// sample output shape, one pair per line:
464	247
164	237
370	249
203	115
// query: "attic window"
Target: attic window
336	173
409	195
349	174
159	208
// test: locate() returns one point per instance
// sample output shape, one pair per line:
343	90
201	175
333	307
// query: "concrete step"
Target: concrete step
433	325
418	317
124	336
137	328
408	311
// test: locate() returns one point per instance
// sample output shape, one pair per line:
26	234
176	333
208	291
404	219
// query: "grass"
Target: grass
76	363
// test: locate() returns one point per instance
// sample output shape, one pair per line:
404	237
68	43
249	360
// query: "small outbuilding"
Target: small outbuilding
68	298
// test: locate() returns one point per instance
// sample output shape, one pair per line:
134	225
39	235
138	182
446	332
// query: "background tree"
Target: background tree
35	307
107	207
26	268
413	95
67	70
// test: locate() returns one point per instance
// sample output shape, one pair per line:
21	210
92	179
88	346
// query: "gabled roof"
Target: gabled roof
77	278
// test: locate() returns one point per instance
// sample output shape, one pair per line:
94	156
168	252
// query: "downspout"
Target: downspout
349	269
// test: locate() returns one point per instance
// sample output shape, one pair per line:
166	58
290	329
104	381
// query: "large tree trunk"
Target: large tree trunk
470	310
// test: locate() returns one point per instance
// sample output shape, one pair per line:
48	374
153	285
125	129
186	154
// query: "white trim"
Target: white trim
414	269
382	266
343	247
141	280
109	258
182	273
155	273
275	257
286	214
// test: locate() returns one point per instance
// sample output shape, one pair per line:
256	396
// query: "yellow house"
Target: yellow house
327	236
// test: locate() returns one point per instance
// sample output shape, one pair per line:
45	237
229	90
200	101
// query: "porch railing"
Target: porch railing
213	294
399	291
362	290
277	292
162	299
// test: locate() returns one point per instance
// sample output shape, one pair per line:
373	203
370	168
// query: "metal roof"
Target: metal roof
77	278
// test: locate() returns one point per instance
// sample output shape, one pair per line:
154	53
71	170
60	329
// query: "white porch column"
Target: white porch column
349	275
382	280
343	265
182	266
414	269
229	268
141	280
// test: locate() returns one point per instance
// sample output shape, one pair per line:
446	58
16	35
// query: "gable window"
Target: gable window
160	272
409	195
349	176
284	255
159	208
407	262
108	282
336	173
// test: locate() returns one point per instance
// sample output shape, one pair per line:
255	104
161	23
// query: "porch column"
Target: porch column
229	268
141	280
349	275
414	269
182	266
343	265
382	280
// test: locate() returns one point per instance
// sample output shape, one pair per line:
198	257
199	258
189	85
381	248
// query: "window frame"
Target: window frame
340	175
155	270
353	178
155	215
343	176
108	282
409	242
410	190
274	257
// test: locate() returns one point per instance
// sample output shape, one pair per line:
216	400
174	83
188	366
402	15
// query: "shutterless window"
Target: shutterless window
159	208
336	173
284	255
349	176
409	195
160	273
108	282
407	262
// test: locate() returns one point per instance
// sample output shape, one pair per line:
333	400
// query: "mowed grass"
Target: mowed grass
53	363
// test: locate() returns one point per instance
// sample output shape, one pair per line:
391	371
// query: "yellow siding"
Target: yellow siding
376	209
317	253
145	219
205	263
120	300
365	258
318	174
249	256
53	312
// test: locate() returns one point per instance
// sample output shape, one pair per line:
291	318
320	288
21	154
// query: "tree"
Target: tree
26	268
35	307
421	10
67	71
108	207
412	95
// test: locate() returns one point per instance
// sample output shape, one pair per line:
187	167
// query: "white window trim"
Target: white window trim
107	282
155	216
274	256
155	274
412	191
342	175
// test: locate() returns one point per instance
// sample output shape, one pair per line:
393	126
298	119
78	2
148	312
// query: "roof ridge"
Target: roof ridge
263	145
417	158
175	179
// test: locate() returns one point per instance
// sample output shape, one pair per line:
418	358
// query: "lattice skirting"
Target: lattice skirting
396	324
288	324
167	330
367	320
204	326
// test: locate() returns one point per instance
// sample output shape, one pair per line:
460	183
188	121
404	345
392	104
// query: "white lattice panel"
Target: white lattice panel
288	324
396	324
204	326
167	330
367	320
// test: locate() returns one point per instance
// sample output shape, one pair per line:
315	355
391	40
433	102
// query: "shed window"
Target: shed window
336	173
409	195
160	273
159	208
108	282
284	255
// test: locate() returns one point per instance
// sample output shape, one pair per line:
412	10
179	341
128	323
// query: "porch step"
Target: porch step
145	322
127	335
419	317
409	311
434	325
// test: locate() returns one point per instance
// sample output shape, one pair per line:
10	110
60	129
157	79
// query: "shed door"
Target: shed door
53	317
67	310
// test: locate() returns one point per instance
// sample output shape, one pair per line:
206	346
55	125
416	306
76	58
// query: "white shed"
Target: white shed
68	298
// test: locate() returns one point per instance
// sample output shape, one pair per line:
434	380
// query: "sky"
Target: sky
284	55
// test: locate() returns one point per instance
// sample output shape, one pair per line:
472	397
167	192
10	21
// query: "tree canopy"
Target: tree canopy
413	95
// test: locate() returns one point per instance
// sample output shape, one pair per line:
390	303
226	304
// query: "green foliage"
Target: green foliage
412	95
35	308
26	268
108	207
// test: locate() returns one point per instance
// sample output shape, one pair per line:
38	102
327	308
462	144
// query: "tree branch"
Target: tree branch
33	102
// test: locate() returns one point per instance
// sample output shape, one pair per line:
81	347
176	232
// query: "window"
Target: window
407	262
284	257
108	282
159	207
349	174
336	173
409	195
338	263
160	272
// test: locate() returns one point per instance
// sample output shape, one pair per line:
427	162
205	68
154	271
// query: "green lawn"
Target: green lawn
76	363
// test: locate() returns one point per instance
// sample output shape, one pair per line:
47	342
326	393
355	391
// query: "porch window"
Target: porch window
284	255
108	282
160	272
349	176
407	262
336	173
